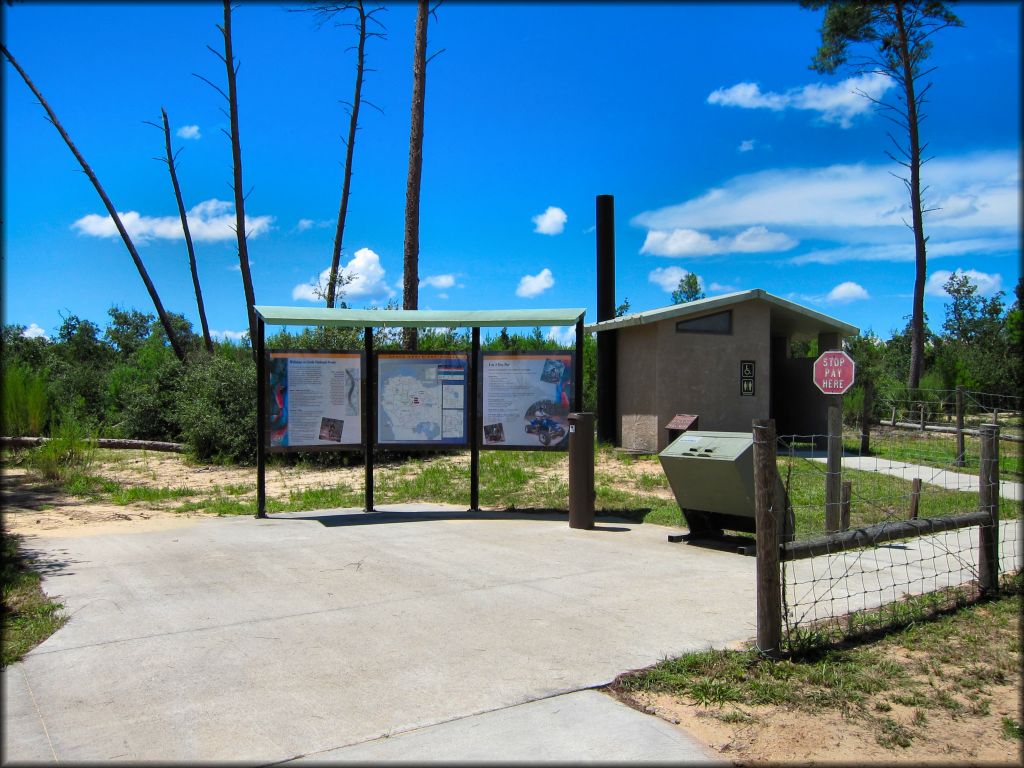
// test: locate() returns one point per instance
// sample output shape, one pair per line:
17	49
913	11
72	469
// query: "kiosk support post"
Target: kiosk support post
474	423
261	419
370	414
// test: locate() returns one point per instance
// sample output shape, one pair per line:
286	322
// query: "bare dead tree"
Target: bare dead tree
411	251
228	58
171	160
143	273
326	12
895	38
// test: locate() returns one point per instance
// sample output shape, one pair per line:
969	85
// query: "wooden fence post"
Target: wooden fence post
915	498
834	465
894	415
988	501
766	523
960	453
844	520
865	418
922	416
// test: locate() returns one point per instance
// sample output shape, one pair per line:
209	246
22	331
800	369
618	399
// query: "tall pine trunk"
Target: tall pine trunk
236	163
410	263
346	184
916	207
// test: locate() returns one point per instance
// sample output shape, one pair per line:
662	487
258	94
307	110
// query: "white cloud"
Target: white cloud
904	251
209	221
746	145
229	335
690	242
563	334
534	285
987	284
551	222
858	211
847	292
440	282
667	278
34	332
305	225
189	132
368	281
838	103
722	288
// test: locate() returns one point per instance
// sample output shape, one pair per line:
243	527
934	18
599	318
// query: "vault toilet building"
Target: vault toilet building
725	359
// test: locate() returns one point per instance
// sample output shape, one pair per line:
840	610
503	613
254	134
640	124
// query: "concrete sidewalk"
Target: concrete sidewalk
954	481
303	635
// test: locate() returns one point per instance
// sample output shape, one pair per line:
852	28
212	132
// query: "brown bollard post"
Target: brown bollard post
988	501
766	523
581	470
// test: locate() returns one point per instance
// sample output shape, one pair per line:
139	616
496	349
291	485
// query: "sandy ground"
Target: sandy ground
772	734
780	735
35	508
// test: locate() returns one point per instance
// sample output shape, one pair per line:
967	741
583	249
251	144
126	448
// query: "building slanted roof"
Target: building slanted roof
417	318
787	317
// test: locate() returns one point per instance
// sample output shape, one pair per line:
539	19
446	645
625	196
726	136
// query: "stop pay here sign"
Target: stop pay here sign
833	372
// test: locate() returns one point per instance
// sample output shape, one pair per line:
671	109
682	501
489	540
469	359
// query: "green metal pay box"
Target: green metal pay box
712	477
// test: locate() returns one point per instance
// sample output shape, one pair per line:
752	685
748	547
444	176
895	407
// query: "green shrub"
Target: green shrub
215	408
70	450
142	394
26	408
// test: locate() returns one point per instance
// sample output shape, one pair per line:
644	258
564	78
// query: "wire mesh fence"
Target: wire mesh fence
942	410
914	519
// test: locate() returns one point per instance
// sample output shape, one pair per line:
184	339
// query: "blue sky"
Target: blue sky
726	154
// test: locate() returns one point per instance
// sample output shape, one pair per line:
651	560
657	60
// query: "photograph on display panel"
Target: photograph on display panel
314	400
526	398
422	399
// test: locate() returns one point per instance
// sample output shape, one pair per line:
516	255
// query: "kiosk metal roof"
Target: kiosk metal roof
787	314
417	318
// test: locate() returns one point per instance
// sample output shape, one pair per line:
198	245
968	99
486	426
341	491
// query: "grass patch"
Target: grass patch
1011	729
922	666
29	616
939	451
222	505
143	494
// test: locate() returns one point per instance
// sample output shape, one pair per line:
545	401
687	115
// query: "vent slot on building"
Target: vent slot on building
719	322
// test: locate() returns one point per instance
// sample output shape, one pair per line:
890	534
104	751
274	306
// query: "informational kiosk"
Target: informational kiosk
333	400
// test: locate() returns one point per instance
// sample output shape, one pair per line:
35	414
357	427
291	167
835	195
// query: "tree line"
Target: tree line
126	381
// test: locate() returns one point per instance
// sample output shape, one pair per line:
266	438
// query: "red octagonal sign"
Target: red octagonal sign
834	372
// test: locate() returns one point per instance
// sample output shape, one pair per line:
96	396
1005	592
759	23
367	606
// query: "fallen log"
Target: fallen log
103	442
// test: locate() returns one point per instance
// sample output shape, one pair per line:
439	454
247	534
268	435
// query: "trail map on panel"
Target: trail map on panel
314	399
526	399
422	399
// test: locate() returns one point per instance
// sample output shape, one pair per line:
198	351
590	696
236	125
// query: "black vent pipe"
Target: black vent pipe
606	340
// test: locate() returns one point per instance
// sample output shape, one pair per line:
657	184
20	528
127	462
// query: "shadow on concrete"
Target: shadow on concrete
743	545
412	516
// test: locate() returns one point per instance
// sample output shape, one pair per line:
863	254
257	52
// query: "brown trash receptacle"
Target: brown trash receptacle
581	470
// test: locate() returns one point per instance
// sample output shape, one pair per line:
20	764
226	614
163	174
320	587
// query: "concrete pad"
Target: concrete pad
265	640
581	727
